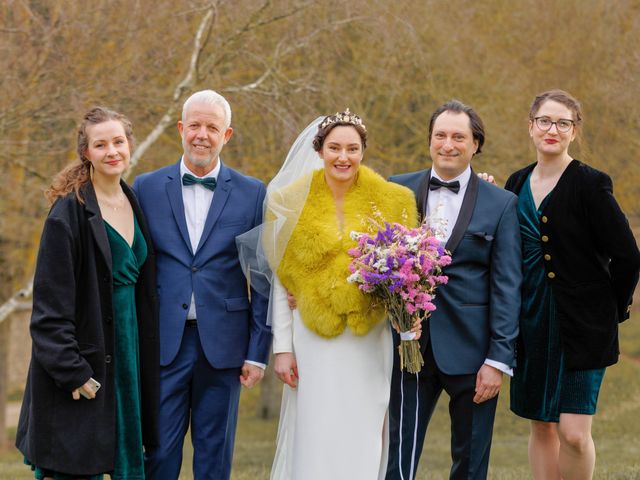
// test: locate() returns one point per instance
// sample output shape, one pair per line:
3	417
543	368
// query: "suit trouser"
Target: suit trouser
413	399
193	392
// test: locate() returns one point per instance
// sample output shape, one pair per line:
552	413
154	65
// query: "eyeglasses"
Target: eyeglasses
563	125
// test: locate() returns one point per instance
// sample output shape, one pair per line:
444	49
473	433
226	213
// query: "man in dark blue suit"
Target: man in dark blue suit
468	342
213	333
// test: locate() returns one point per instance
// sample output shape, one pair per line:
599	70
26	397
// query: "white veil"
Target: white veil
261	249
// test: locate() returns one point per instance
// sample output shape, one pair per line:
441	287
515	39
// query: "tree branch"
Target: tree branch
15	301
186	83
250	86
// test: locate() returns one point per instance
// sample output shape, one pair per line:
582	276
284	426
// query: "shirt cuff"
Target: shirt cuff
503	367
257	364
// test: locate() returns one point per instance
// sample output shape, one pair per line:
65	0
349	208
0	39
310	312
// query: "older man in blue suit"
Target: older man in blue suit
468	343
213	333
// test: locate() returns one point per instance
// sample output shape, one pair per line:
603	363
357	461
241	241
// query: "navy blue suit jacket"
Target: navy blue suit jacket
232	328
477	312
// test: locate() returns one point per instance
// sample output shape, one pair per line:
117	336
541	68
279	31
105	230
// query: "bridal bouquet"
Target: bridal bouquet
401	267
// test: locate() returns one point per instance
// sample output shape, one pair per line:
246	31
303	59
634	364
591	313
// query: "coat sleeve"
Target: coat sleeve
505	285
614	237
54	305
260	334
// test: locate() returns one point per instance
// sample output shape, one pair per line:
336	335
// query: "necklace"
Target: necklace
114	204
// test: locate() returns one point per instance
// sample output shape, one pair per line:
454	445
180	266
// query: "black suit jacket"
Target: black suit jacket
591	261
73	339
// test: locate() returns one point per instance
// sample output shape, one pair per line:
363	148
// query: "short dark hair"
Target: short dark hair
475	122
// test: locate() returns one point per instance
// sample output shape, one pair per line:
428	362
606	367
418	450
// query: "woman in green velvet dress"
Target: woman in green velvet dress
91	398
580	270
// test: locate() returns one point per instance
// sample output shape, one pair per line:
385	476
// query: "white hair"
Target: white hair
208	97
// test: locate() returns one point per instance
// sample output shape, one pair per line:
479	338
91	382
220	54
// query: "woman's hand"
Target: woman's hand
87	388
286	368
416	328
291	300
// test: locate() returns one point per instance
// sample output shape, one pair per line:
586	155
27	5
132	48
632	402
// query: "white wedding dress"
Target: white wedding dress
334	426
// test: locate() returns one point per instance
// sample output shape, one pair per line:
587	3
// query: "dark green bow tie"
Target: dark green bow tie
207	182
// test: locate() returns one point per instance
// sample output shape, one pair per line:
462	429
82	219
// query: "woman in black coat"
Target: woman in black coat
91	398
580	269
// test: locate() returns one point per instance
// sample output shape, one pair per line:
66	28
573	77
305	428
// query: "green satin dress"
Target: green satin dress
126	263
541	388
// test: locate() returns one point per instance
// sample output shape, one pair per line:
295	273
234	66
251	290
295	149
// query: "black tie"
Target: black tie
436	183
207	182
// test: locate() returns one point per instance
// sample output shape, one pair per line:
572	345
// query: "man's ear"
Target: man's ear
227	134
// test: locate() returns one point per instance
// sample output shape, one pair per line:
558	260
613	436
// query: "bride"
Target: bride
334	352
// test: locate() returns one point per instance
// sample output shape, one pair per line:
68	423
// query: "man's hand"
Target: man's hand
286	368
486	177
488	382
250	375
291	300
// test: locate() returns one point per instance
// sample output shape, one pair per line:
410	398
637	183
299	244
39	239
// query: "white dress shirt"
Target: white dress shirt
443	205
197	201
442	210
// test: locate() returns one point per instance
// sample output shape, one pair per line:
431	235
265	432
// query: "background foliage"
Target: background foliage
281	63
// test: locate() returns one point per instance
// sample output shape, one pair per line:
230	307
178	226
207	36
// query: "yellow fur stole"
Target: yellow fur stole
315	264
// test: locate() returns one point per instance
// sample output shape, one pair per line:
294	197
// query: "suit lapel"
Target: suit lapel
96	223
466	211
174	192
220	197
423	194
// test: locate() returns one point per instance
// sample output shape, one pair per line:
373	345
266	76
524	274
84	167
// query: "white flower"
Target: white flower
355	278
381	265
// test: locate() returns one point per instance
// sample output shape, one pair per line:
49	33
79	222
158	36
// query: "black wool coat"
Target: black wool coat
591	262
73	339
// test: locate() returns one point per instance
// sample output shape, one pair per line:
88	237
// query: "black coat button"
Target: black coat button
185	306
107	359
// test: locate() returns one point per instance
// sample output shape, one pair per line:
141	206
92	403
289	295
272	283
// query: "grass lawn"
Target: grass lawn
616	432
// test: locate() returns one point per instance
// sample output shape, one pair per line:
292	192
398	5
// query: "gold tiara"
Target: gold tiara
343	117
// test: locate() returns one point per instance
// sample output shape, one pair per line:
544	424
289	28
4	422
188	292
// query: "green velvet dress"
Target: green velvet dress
127	261
541	388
